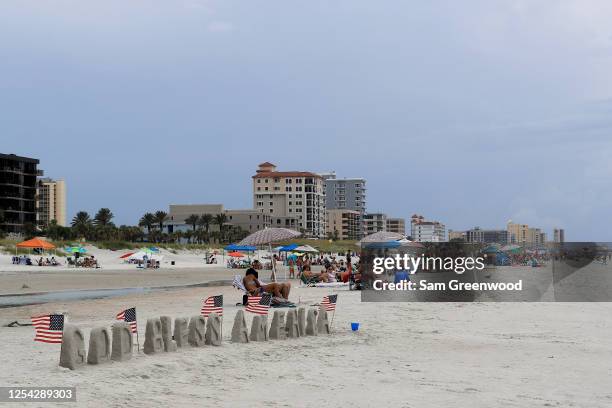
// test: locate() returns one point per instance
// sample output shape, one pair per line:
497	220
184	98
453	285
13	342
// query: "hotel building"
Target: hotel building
397	225
426	231
345	194
343	224
50	202
17	192
295	199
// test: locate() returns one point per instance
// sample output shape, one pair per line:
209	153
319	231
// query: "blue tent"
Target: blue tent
288	248
236	247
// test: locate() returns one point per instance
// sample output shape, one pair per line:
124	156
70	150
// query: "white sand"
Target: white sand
406	355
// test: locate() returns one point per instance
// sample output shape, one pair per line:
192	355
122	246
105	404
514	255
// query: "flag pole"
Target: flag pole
332	320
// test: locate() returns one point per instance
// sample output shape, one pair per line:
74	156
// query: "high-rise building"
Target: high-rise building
343	224
426	231
559	235
18	192
397	225
374	222
50	202
345	194
295	197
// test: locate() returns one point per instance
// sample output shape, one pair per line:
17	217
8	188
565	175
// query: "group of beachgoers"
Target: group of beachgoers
334	270
83	262
26	260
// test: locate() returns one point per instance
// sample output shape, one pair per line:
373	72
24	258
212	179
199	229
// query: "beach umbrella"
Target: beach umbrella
382	236
76	249
235	254
287	248
126	255
267	236
305	248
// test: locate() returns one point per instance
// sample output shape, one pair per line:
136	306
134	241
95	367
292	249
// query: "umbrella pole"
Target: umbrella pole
273	263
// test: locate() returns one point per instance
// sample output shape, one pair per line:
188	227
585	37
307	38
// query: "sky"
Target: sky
471	113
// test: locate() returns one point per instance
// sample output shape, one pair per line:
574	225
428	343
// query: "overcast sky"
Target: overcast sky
470	112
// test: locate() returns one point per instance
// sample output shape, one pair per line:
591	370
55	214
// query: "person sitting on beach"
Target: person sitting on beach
255	288
256	264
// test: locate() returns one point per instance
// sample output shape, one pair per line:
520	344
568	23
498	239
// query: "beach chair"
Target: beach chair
276	302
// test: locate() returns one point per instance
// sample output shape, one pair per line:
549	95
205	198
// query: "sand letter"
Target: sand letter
322	321
311	323
197	330
302	320
72	354
277	327
166	325
213	330
99	346
291	325
154	343
240	333
122	341
259	328
181	331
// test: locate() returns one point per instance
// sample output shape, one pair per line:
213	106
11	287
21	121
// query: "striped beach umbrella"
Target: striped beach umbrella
268	235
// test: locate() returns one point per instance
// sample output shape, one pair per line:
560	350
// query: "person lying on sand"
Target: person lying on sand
254	287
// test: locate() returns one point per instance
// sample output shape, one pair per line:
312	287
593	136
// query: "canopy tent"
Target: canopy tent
287	248
35	243
236	247
305	248
149	254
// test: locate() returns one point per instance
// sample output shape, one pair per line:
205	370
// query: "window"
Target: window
258	188
258	181
271	211
266	180
276	179
287	188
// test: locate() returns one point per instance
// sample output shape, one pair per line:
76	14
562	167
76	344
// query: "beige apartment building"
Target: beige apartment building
374	222
343	224
295	199
522	234
249	220
50	202
397	225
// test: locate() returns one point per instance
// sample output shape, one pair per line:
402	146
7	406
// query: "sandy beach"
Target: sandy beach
404	355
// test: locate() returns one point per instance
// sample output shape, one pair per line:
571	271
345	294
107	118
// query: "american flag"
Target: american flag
329	302
129	316
212	304
49	328
259	304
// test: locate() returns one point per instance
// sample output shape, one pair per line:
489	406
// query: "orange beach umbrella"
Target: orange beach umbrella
235	254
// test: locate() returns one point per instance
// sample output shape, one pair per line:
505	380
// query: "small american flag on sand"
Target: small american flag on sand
259	304
329	302
212	304
49	328
129	316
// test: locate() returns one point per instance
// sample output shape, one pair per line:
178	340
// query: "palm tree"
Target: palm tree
220	220
192	220
147	221
81	223
205	221
160	217
103	217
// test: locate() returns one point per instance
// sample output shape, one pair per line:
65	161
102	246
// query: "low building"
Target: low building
487	236
374	222
343	224
422	230
248	220
18	192
397	225
457	235
50	202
